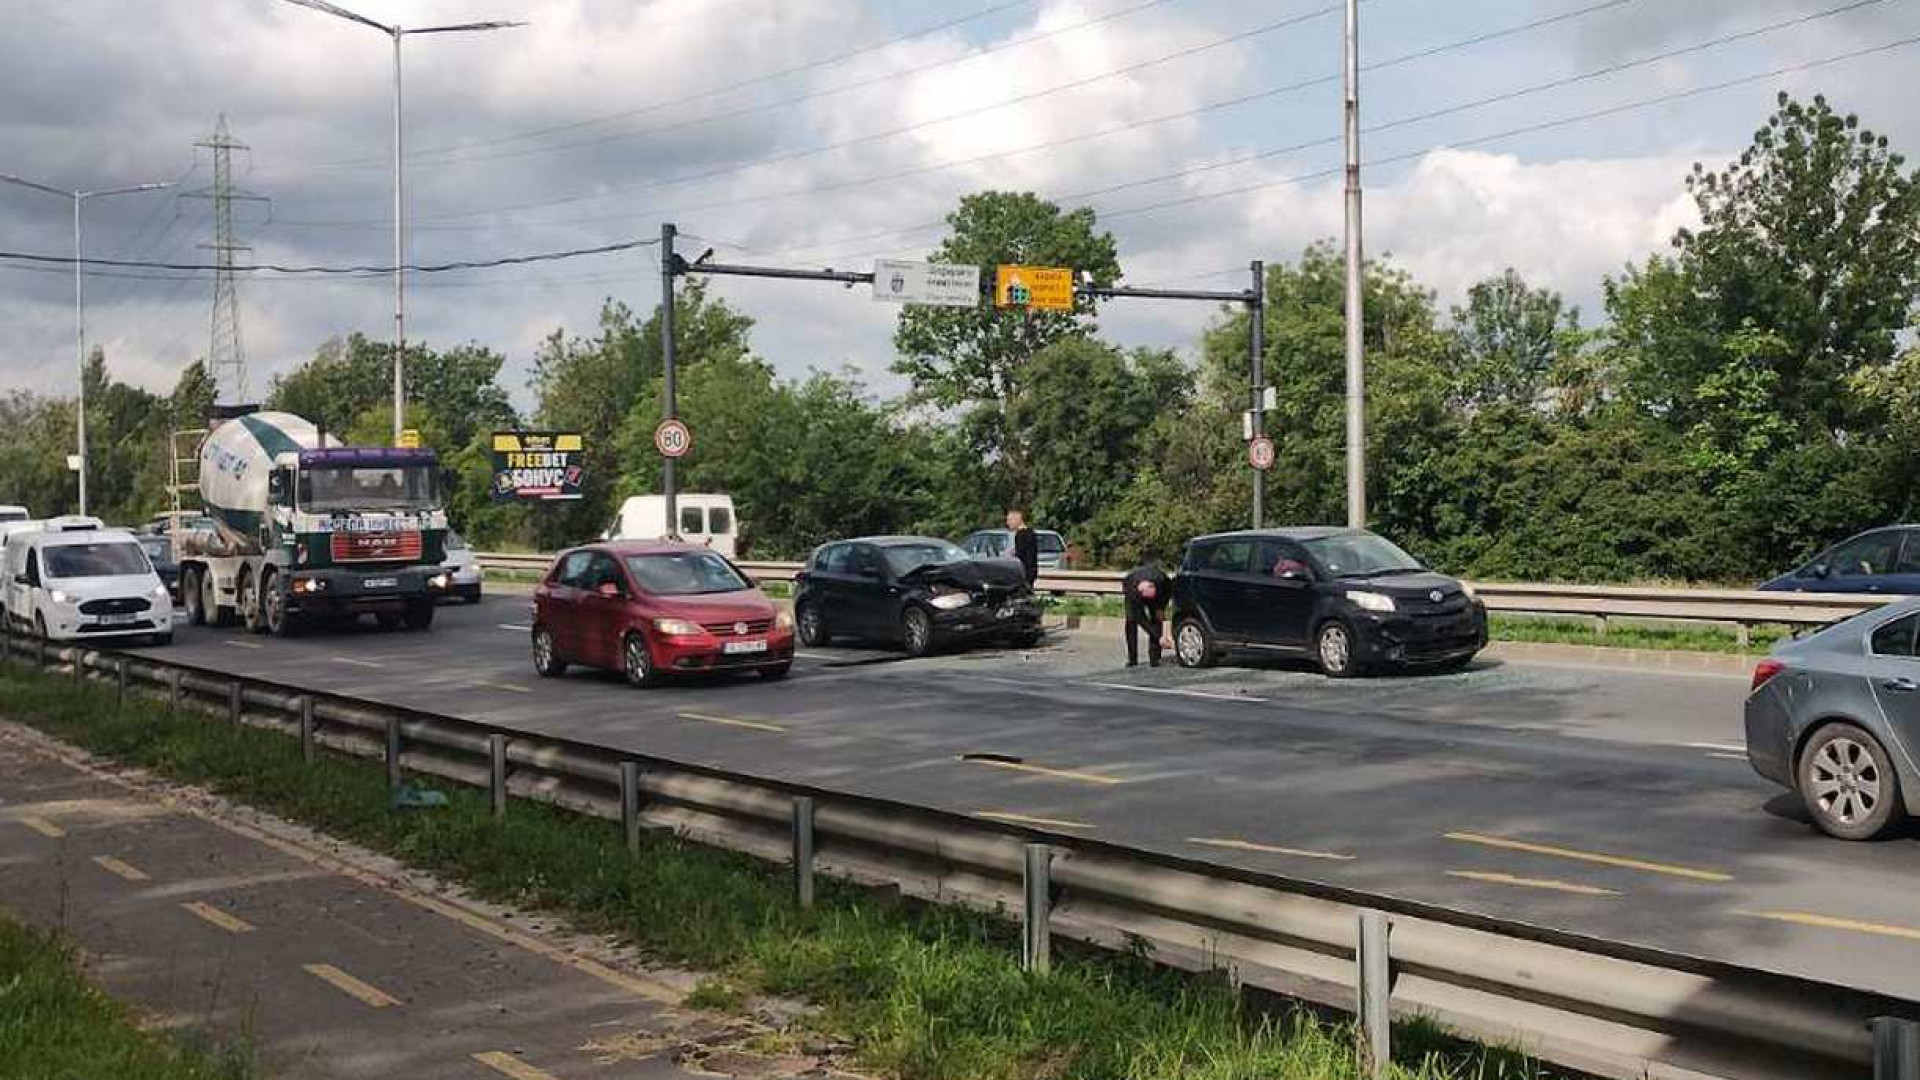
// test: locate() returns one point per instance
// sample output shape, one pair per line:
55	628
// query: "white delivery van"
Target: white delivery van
74	580
704	519
9	513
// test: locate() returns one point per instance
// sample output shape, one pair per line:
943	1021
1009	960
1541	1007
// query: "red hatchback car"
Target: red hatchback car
654	609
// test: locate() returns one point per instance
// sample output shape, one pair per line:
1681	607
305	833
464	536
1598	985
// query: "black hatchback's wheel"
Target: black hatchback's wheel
636	661
1848	783
813	627
916	632
1193	644
546	658
1335	649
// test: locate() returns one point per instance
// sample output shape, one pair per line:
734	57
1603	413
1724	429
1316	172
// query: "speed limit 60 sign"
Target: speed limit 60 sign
672	439
1260	453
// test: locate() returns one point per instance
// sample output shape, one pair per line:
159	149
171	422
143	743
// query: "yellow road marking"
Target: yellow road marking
1828	922
370	996
1041	770
1023	819
1248	845
44	827
119	869
355	663
503	686
511	1066
239	644
1590	857
218	918
1532	883
731	721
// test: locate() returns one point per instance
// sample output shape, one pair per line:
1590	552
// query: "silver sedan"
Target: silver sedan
1835	717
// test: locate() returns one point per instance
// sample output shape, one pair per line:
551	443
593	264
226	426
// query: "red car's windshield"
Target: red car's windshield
685	573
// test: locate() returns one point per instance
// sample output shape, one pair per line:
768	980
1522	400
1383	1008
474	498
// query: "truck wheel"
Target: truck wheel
248	600
419	615
280	622
191	582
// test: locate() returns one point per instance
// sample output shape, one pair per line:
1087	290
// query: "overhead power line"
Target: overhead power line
811	95
998	155
275	268
1399	122
667	103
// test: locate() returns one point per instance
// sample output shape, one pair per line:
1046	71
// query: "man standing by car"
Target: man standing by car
1146	590
1026	546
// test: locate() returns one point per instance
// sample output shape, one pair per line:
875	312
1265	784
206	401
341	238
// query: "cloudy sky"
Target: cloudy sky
832	132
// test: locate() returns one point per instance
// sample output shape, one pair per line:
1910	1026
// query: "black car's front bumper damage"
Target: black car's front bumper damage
1422	639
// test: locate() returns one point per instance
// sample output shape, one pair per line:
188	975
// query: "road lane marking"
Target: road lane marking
508	1065
1595	857
1024	819
638	986
119	869
1828	922
1549	884
1728	748
1175	692
355	663
732	721
1041	770
239	644
516	627
44	827
371	996
503	686
217	917
1266	849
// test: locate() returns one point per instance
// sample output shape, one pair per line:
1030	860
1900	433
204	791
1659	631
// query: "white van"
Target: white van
10	513
704	519
74	580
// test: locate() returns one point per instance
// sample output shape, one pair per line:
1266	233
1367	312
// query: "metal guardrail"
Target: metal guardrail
1743	608
1601	1007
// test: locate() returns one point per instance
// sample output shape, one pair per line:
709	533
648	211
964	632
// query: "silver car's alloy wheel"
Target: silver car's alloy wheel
1336	649
1191	645
1844	780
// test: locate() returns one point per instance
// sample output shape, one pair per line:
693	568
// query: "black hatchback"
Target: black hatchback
919	591
1346	598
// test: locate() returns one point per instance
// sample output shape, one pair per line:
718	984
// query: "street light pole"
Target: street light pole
1356	357
397	32
79	307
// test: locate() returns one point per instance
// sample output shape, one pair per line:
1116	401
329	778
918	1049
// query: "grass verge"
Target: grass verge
920	992
55	1026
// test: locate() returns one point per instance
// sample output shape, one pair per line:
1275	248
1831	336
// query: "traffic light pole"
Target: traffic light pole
1255	298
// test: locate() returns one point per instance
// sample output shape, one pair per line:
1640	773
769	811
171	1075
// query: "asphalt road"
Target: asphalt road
1610	802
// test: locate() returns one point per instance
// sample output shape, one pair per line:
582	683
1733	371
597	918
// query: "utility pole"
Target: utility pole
397	32
226	354
1257	345
79	307
1356	358
669	409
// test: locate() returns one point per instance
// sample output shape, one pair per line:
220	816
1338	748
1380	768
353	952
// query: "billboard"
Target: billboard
540	466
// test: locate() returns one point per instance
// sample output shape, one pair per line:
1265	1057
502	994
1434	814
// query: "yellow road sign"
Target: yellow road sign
410	438
1048	288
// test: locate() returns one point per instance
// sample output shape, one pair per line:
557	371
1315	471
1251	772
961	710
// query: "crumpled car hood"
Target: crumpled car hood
970	574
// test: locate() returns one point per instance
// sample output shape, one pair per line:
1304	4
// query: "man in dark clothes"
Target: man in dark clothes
1146	590
1026	546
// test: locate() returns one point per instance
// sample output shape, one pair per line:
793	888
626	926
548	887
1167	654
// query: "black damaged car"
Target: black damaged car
919	592
1346	598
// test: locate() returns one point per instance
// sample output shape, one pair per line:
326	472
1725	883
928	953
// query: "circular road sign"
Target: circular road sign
1260	453
672	439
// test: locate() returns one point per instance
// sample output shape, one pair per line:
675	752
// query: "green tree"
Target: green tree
970	358
347	379
1505	342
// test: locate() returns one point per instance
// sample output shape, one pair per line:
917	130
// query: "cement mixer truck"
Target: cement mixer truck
309	532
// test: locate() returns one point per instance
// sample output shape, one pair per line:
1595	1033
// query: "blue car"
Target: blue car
1877	561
